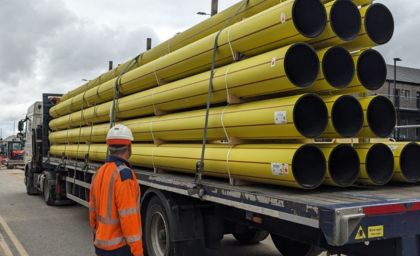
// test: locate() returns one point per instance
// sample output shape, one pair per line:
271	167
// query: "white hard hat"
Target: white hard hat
119	135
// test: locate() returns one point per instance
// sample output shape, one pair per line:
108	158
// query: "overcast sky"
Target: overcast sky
51	45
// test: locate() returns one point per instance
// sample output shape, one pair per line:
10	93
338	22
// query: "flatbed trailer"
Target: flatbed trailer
356	221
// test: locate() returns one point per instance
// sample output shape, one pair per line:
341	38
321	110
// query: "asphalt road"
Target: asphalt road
29	227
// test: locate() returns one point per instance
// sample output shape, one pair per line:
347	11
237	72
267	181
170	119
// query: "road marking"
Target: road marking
13	238
4	248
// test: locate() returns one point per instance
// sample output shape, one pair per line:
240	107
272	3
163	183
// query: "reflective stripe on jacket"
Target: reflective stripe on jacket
114	207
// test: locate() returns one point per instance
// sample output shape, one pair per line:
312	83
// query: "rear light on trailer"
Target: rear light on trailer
391	209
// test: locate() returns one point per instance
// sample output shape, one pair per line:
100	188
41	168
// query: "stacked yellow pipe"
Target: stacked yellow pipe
343	164
293	117
376	164
231	15
407	161
304	20
380	117
301	166
260	98
377	27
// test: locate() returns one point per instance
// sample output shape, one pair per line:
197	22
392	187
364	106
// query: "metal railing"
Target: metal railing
407	133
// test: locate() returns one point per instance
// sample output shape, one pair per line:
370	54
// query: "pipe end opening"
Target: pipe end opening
346	20
310	116
338	67
410	162
309	166
309	17
379	23
381	116
347	116
371	69
380	164
301	65
344	165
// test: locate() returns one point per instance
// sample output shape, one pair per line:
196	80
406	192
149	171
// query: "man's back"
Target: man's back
114	209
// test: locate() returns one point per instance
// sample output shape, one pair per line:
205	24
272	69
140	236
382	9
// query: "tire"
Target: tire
288	247
29	184
251	236
48	195
157	229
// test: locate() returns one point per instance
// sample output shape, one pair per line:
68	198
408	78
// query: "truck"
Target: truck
182	214
12	153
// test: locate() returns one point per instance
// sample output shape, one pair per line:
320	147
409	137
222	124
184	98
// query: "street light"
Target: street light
214	9
203	13
397	104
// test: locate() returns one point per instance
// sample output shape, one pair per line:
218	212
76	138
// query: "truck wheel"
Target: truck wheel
157	229
251	236
29	184
48	196
288	247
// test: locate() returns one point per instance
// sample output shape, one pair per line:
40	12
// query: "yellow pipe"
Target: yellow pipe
281	25
376	163
233	14
344	24
370	73
377	27
278	71
294	117
343	164
345	116
301	166
406	161
380	117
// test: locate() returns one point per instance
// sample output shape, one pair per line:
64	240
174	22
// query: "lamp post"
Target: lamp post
397	105
214	9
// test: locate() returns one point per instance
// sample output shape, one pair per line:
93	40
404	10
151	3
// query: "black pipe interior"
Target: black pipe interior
309	17
345	19
310	116
379	23
410	162
344	165
301	65
338	67
371	69
347	116
381	116
309	166
380	164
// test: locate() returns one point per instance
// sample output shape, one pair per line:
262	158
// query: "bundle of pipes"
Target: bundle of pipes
302	20
295	51
231	15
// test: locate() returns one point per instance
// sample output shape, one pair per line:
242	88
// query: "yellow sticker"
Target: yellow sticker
376	231
360	234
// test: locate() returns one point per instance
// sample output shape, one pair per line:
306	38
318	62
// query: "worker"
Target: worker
114	203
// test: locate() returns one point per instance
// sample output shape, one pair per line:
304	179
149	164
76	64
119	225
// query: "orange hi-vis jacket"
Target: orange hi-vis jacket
114	213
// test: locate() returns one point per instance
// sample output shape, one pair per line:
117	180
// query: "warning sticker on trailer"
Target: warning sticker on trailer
376	231
360	234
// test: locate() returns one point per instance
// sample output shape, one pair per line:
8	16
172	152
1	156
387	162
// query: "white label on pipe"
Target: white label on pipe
283	17
273	62
280	117
279	169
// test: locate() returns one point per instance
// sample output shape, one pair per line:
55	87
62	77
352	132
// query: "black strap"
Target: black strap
200	163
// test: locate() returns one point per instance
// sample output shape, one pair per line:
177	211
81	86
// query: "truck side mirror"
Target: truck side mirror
21	124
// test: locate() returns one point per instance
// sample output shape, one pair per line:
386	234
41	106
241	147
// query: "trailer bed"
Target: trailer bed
344	216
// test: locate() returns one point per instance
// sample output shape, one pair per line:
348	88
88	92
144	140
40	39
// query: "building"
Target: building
406	99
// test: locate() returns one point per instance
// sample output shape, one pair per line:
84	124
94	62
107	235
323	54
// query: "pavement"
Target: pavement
29	227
